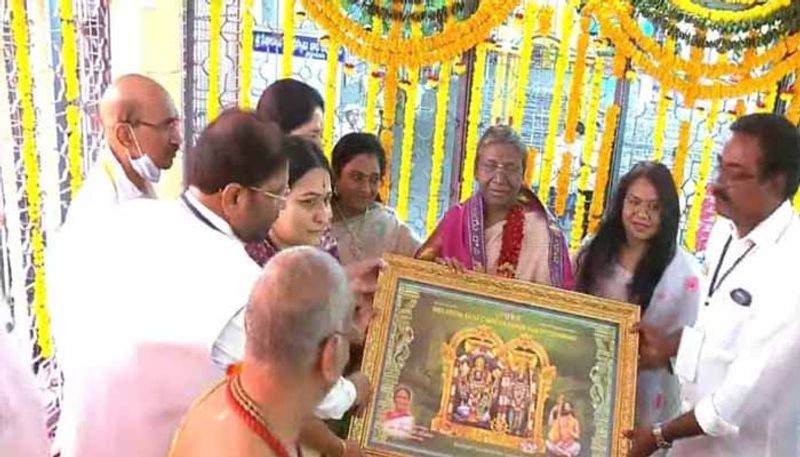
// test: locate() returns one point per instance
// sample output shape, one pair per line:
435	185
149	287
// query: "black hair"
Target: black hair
235	148
304	156
603	250
289	103
779	141
353	145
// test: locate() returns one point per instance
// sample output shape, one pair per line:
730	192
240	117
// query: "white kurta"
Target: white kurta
142	298
106	185
740	360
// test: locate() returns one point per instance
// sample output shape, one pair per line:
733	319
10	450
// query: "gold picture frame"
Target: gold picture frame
470	364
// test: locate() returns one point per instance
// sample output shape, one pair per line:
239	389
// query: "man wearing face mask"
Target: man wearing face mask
142	311
141	296
141	128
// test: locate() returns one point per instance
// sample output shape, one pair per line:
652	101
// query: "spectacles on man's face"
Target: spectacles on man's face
169	124
281	199
491	167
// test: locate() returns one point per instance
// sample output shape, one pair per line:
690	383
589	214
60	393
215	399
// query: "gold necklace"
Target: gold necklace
355	247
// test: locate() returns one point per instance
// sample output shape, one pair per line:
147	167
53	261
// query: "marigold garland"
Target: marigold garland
387	127
246	70
330	98
606	151
797	202
702	177
771	98
587	153
409	121
750	14
500	74
526	56
576	84
406	159
214	38
629	38
555	105
679	163
530	166
30	161
661	124
793	111
69	57
473	121
439	138
288	38
545	25
414	52
693	90
373	82
562	182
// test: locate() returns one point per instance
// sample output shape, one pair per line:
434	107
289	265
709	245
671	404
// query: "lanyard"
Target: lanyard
712	288
198	214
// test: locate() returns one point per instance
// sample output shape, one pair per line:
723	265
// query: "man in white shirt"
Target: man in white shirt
155	284
142	129
738	363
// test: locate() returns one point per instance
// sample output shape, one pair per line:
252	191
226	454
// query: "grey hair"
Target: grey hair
301	298
503	134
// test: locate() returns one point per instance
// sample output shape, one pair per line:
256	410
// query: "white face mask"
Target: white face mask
143	165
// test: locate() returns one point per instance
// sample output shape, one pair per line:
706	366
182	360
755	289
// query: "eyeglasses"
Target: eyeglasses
650	208
727	178
280	198
494	168
172	123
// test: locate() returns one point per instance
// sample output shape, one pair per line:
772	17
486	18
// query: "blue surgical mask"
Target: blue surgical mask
143	165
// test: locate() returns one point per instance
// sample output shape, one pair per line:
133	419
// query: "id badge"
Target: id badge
689	354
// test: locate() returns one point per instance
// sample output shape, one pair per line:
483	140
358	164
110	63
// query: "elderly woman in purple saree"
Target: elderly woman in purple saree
503	229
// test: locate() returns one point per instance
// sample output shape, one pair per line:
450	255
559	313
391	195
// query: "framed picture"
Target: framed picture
475	365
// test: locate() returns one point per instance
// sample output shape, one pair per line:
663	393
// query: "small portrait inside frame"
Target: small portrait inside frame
471	365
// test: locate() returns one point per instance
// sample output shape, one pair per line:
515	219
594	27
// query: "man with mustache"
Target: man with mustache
142	129
737	362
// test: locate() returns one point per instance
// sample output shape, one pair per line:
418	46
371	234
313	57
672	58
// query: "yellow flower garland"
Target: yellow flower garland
526	55
414	52
373	81
696	206
30	162
555	105
246	70
69	56
797	202
439	138
330	98
214	38
562	182
406	159
771	98
387	127
545	25
530	166
606	151
754	13
576	235
288	38
679	164
473	119
793	111
500	74
576	84
695	91
629	36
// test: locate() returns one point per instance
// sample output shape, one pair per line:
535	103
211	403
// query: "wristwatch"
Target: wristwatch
658	433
